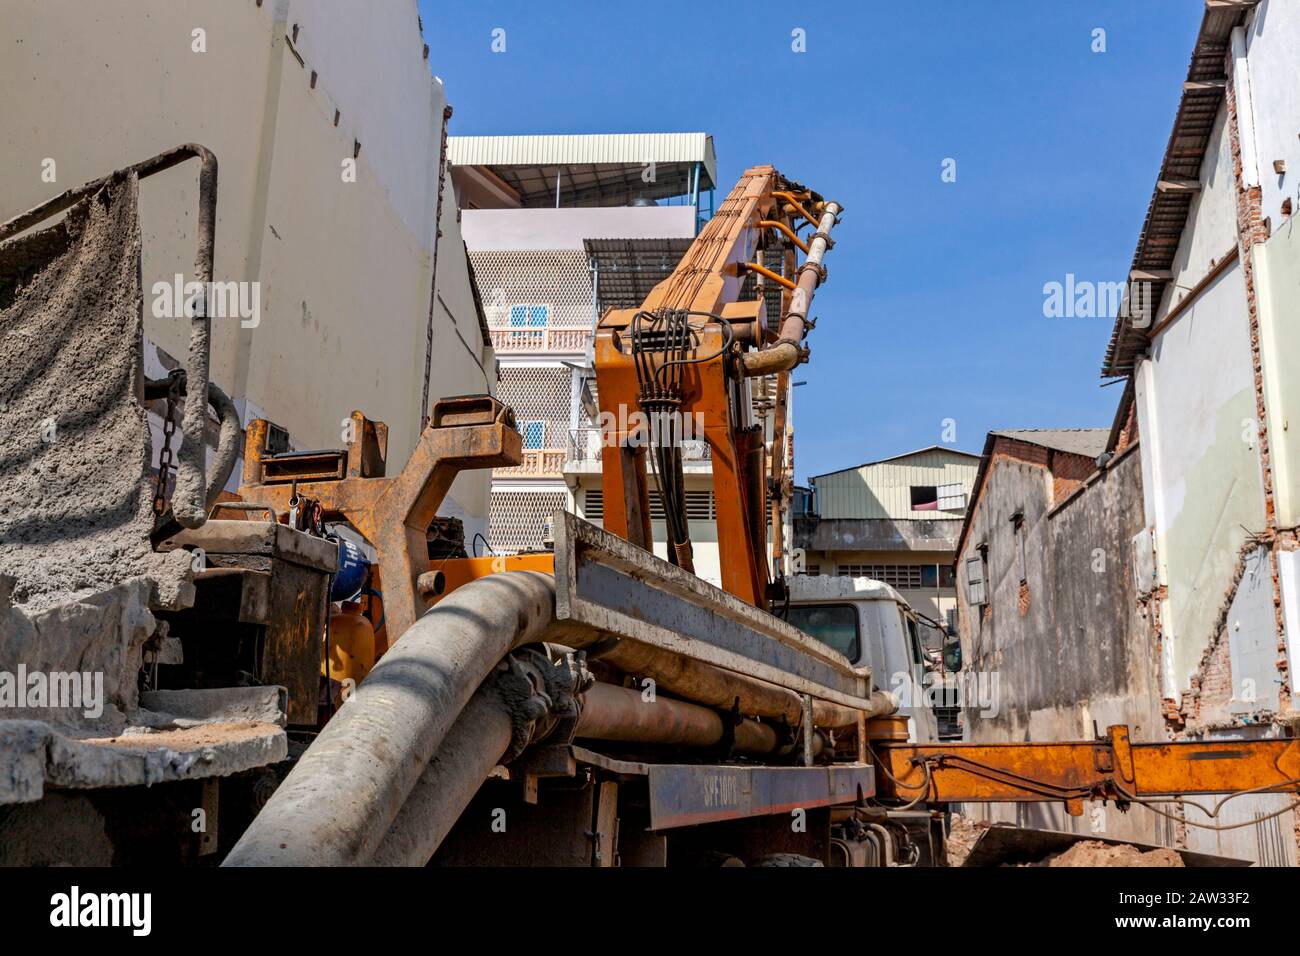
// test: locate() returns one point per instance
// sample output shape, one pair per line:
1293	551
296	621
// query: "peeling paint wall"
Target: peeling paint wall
1196	407
1272	38
1072	648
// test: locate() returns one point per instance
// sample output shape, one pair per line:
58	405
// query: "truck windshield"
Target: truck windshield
835	625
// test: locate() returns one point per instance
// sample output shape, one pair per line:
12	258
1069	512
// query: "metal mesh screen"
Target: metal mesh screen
535	300
540	396
516	517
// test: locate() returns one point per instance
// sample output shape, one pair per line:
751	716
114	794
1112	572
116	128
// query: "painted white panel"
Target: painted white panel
1208	487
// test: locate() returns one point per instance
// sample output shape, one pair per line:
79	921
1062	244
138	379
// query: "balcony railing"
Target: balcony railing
585	446
537	463
539	340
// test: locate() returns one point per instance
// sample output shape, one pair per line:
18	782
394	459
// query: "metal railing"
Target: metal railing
537	463
538	339
585	445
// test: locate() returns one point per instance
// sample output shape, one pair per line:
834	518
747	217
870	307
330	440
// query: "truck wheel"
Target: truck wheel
786	859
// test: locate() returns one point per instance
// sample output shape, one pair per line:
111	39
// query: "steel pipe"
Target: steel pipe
787	351
227	453
706	684
189	495
610	712
342	796
475	744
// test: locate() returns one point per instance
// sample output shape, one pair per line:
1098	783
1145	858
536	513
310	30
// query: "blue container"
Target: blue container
351	575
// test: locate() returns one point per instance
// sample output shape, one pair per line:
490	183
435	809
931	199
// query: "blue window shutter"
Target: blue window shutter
534	434
518	314
538	315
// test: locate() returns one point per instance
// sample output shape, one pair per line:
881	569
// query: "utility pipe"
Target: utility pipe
475	744
610	712
342	796
707	684
787	351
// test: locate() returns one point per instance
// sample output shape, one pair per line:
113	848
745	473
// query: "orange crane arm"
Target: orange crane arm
678	367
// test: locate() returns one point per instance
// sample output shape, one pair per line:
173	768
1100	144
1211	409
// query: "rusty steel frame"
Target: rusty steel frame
683	795
394	514
1110	768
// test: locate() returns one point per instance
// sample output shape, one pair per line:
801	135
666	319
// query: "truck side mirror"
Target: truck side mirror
952	655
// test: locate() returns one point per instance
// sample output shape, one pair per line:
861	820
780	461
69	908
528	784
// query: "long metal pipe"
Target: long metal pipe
787	351
474	745
610	712
342	796
716	687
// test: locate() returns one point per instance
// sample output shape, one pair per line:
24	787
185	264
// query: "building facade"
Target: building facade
549	261
1164	592
894	520
328	139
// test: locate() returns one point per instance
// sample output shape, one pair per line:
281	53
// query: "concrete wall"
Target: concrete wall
1072	652
343	267
1272	36
520	229
1196	406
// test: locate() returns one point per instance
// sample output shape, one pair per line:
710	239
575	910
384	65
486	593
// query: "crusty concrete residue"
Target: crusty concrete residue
75	496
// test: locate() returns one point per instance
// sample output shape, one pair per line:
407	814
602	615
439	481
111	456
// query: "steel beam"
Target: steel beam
683	795
608	584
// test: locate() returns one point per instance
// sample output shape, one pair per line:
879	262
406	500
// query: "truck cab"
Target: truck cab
872	625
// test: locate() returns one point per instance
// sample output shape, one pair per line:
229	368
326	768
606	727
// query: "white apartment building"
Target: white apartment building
560	229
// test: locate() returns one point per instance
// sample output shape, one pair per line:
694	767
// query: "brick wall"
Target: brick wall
1068	473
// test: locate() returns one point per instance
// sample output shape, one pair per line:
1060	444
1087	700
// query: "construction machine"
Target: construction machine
590	704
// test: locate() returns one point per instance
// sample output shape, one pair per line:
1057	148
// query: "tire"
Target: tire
786	859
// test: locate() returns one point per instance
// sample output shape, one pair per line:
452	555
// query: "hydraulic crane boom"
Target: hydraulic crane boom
681	366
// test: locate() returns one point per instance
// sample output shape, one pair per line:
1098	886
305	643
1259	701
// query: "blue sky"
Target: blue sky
934	306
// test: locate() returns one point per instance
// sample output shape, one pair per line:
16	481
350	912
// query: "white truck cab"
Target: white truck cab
872	625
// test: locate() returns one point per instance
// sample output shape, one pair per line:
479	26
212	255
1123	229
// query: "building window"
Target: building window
947	576
534	435
534	316
976	581
925	498
895	575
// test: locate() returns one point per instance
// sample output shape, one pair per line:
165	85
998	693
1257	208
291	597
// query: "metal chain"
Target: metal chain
165	462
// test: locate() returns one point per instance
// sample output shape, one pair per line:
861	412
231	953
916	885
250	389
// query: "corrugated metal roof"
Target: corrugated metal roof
627	269
1167	213
1089	442
613	149
906	454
